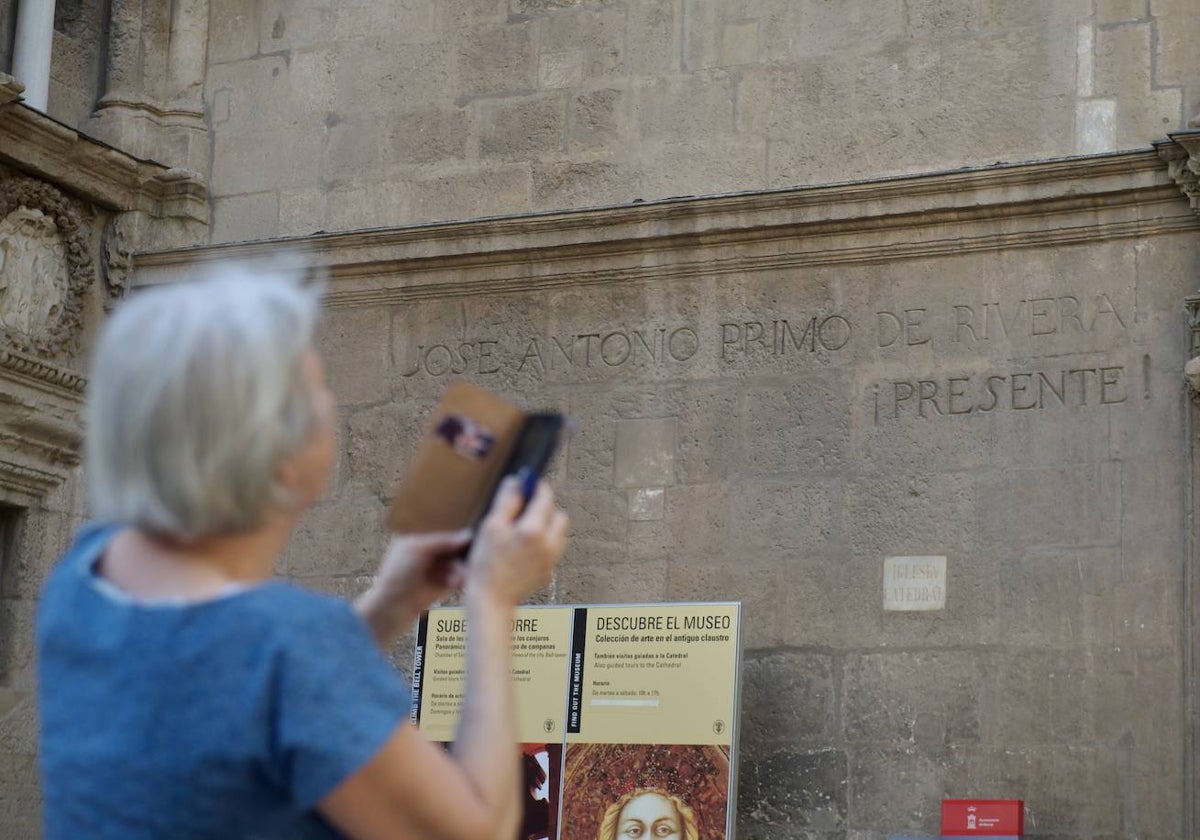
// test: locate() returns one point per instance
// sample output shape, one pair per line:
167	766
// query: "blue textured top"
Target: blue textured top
226	718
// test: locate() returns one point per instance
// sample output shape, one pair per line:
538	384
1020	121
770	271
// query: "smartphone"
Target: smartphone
539	440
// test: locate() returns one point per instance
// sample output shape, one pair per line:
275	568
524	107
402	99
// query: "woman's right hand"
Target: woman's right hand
514	555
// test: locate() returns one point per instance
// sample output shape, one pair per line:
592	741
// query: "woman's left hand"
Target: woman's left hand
417	571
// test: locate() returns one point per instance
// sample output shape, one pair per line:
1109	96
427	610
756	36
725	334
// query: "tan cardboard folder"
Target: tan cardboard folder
457	462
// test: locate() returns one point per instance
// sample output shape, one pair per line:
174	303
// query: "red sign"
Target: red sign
983	817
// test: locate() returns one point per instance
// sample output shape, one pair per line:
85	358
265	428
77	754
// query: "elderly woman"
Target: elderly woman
185	692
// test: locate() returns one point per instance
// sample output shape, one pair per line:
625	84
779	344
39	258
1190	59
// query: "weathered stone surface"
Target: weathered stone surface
595	35
242	218
788	793
429	134
901	788
360	370
522	128
924	698
595	118
1120	11
645	452
789	700
497	59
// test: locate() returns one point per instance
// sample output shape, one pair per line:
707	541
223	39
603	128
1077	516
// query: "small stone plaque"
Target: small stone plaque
646	504
914	583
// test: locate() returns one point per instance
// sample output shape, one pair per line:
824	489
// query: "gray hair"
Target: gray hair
197	394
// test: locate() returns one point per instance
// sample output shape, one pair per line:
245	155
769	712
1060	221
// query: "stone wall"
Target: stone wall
777	392
406	111
71	212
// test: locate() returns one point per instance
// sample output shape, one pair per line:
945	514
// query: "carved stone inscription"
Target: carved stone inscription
1035	390
1035	349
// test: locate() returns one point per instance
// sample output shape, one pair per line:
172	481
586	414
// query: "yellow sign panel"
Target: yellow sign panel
541	642
627	715
662	674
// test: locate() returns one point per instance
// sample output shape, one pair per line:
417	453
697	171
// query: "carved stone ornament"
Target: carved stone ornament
1191	371
118	260
1181	151
45	267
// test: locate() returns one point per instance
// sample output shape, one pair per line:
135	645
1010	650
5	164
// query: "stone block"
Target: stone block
1120	11
373	77
517	129
249	161
931	698
497	58
17	646
596	35
337	538
705	417
356	347
739	43
470	12
1177	50
232	31
560	69
1036	697
792	792
42	536
596	119
1002	15
789	701
645	452
365	202
912	515
428	135
799	30
403	22
353	148
290	26
380	442
773	518
537	7
801	426
943	19
469	192
1123	60
1071	506
646	504
243	218
1076	787
1061	597
828	600
697	105
598	515
651	44
301	211
19	729
901	788
693	526
689	162
562	185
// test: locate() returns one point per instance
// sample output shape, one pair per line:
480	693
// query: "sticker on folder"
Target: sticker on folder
465	436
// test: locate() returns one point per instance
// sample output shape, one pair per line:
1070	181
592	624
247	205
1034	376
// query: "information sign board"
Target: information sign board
627	715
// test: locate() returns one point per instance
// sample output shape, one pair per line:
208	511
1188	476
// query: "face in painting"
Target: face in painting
649	817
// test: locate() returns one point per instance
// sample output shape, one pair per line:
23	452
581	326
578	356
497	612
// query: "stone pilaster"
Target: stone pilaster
1182	154
152	106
